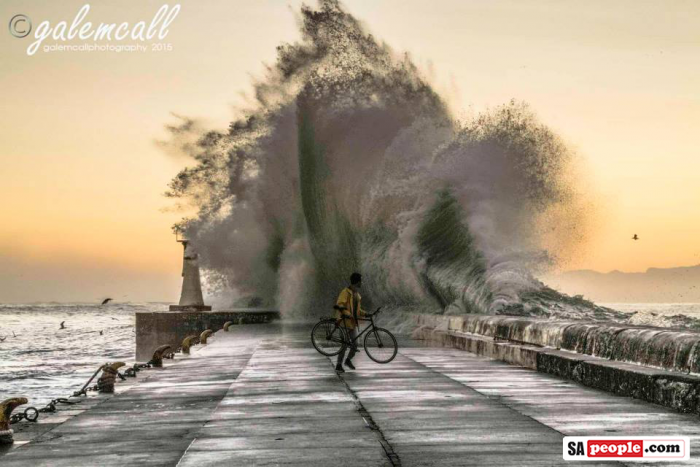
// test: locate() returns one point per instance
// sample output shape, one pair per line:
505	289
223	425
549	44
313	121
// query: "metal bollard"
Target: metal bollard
188	342
227	324
105	384
203	337
157	360
6	408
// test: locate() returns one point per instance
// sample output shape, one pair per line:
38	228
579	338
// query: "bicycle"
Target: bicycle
329	338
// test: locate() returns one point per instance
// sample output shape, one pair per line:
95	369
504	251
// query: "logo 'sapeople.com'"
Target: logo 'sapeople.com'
656	448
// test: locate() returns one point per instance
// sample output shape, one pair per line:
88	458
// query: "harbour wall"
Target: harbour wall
171	327
653	364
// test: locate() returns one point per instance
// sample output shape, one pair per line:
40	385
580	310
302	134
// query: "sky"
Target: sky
82	210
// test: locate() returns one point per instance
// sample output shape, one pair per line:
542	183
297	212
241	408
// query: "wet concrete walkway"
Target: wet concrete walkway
262	396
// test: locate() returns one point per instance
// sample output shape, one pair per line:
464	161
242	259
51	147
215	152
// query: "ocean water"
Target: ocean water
40	361
659	314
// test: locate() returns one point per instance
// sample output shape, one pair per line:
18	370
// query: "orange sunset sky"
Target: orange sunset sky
81	206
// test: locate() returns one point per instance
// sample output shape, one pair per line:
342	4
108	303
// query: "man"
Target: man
349	311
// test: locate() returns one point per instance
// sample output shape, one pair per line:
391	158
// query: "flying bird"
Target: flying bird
106	301
62	325
635	237
2	339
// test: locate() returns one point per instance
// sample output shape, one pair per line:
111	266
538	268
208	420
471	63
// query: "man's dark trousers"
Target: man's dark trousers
351	334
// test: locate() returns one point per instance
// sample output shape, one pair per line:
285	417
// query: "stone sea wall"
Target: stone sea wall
669	349
171	327
653	364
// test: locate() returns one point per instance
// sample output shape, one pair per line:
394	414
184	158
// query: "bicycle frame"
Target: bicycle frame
359	334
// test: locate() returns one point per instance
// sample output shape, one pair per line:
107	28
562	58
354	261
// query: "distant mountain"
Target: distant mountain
671	285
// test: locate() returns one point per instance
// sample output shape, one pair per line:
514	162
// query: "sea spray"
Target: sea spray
351	161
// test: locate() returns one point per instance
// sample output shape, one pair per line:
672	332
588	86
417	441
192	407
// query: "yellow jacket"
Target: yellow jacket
345	299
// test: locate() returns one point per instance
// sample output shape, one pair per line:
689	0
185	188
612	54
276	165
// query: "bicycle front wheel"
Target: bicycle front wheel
380	345
327	337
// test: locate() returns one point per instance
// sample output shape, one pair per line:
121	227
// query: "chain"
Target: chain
31	414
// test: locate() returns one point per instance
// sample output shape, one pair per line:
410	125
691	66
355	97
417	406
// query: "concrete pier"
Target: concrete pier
260	395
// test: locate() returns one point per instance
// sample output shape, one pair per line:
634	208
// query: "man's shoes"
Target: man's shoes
339	369
349	364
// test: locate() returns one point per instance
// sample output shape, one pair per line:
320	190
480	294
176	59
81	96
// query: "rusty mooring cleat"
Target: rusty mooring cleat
157	360
188	342
105	384
6	408
227	324
203	337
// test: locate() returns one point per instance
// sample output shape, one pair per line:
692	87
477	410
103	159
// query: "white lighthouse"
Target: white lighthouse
191	298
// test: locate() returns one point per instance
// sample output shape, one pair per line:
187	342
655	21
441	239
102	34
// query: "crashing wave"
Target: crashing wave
351	161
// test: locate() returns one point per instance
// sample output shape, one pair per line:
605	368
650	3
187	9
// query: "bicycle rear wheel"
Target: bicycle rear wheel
327	337
380	345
